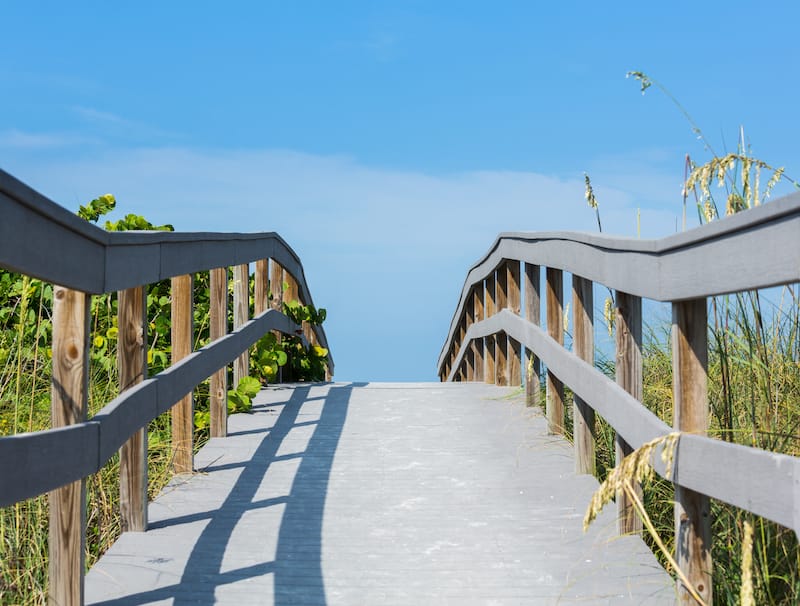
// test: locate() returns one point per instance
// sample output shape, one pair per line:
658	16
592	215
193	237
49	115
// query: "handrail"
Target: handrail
40	239
756	249
92	260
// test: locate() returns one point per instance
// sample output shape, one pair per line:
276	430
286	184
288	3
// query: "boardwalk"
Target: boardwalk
380	494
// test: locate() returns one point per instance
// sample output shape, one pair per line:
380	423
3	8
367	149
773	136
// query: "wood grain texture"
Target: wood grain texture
478	346
501	359
241	314
628	370
489	341
690	396
218	328
555	328
68	406
583	344
533	371
132	365
514	363
276	302
261	287
183	410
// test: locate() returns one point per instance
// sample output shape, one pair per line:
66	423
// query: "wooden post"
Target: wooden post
291	291
183	411
132	365
218	328
489	349
629	376
276	290
690	394
583	344
241	312
555	328
469	309
501	339
68	405
260	288
532	314
477	344
514	347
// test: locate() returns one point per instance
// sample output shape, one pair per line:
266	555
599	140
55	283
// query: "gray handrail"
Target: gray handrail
41	239
754	249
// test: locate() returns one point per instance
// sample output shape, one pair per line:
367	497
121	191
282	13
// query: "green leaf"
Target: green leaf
249	386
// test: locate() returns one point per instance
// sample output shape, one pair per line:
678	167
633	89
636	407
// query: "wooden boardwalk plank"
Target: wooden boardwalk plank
380	494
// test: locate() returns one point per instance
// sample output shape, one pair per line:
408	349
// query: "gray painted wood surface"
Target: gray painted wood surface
33	463
380	494
753	249
41	239
765	483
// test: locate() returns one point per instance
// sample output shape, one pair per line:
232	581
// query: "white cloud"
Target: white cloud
20	140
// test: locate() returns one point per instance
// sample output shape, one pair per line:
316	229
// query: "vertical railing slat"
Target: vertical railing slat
478	348
501	339
489	349
241	312
532	314
514	346
583	344
628	371
690	395
218	328
68	405
555	328
132	364
183	410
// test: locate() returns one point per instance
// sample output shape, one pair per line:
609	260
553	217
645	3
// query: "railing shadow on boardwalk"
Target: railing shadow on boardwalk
297	567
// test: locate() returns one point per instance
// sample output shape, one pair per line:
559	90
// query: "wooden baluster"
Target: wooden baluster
629	376
218	328
583	344
68	405
469	309
489	341
290	294
501	339
276	290
241	312
532	314
555	328
477	344
132	365
260	288
690	394
183	410
514	346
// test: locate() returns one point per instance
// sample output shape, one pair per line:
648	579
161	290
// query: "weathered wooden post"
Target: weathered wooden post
514	346
469	320
241	313
68	405
477	344
629	376
218	328
132	365
690	394
501	339
532	314
260	287
183	410
276	290
555	328
583	344
489	341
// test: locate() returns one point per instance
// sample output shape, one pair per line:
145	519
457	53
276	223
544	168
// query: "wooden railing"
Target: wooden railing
756	249
40	239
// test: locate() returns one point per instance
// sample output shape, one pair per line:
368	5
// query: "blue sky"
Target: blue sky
388	142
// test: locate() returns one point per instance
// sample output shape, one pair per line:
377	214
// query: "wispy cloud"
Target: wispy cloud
22	140
114	124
